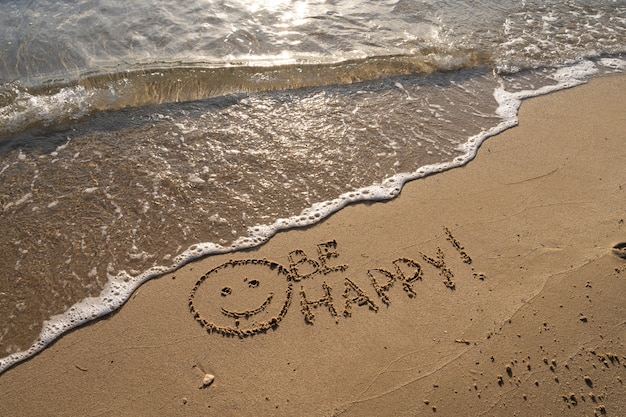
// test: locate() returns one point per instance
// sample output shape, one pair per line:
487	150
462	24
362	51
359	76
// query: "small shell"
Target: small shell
207	380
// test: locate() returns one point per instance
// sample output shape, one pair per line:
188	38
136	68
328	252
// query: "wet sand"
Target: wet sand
491	289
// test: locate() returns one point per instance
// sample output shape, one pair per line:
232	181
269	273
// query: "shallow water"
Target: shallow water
136	137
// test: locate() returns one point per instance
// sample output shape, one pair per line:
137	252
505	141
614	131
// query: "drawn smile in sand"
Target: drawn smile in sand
243	297
246	313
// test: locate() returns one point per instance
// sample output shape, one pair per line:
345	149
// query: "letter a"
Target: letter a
361	298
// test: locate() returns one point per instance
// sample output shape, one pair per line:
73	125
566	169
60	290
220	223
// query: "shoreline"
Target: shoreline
547	219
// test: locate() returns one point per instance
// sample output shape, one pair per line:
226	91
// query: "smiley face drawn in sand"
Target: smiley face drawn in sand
241	297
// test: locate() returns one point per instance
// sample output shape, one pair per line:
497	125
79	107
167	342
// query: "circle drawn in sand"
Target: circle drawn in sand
241	297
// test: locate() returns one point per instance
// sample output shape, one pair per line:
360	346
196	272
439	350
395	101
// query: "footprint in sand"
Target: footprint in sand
620	249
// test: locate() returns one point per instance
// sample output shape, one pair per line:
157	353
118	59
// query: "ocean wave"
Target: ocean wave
159	83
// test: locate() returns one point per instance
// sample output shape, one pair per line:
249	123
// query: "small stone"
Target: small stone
207	380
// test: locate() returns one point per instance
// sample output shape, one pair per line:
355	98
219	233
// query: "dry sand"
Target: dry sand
534	325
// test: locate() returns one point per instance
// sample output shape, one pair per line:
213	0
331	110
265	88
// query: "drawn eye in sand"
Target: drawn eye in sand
241	297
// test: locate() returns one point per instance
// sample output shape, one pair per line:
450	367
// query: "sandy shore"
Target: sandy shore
490	289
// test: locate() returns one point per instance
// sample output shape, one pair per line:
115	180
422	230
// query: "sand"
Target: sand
490	289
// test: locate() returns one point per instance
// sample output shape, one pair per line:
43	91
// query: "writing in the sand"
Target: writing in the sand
243	297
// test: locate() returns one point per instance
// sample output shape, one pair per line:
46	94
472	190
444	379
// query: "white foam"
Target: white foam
68	102
576	72
121	286
614	63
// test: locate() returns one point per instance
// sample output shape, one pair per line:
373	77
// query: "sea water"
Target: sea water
137	136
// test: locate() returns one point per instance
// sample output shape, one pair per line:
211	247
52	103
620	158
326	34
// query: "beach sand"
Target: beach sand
490	289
